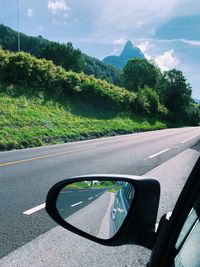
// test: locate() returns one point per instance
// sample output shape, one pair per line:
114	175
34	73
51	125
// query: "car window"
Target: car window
188	243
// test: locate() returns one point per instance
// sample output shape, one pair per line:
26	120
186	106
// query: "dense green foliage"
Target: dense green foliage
65	55
166	95
193	114
23	69
8	41
172	95
31	118
139	73
175	93
148	102
100	70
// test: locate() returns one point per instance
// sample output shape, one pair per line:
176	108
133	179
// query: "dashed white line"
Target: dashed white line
189	138
157	154
33	210
90	198
76	204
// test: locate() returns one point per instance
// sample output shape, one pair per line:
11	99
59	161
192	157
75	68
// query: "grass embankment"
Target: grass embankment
93	185
41	103
34	121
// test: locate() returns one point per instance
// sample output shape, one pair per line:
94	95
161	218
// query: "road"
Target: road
26	175
72	200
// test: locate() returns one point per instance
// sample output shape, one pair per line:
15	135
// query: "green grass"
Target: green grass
36	120
77	185
84	185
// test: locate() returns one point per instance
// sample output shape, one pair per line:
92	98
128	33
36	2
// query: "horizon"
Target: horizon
100	29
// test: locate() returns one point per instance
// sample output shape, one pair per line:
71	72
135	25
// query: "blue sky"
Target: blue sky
166	31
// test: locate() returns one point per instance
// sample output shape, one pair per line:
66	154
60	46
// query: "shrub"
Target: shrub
23	69
193	115
147	101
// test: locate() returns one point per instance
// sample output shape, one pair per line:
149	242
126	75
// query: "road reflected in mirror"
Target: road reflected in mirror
97	207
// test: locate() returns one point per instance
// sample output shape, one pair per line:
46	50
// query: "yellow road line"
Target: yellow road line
45	156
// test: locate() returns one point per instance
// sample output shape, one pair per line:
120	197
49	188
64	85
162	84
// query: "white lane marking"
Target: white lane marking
90	198
31	211
161	152
76	204
189	138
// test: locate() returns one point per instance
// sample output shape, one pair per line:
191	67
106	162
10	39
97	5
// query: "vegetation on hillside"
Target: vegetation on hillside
41	103
139	73
100	70
23	69
167	93
47	101
64	55
164	94
33	118
32	45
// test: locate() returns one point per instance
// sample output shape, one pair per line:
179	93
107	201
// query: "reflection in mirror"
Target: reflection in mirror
97	207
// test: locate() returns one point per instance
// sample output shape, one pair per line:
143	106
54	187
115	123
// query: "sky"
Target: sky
166	31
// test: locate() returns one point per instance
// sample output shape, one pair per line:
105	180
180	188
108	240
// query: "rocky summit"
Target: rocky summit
129	51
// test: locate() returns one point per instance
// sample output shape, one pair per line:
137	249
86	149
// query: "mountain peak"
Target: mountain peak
129	51
129	44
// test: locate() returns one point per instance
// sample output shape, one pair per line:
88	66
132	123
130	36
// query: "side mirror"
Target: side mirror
108	209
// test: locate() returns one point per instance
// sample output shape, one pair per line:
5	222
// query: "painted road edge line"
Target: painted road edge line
33	210
76	204
189	138
157	154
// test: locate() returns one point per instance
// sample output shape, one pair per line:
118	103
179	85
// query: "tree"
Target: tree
139	73
175	93
147	101
193	115
101	70
64	55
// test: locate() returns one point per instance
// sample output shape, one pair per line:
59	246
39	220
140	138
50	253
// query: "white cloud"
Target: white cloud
191	42
144	46
122	15
121	40
166	61
30	12
185	41
58	7
115	52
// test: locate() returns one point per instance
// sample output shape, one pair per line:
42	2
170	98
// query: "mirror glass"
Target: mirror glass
97	207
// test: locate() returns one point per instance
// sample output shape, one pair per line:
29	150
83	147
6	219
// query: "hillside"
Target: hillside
129	51
29	121
35	45
43	104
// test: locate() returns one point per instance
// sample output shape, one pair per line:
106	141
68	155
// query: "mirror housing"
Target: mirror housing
139	226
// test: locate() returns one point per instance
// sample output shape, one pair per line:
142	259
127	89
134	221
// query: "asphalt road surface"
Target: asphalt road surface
72	200
26	175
